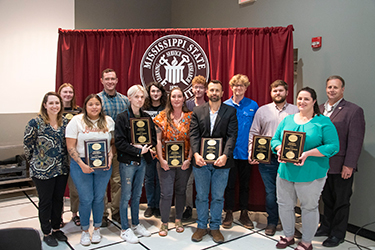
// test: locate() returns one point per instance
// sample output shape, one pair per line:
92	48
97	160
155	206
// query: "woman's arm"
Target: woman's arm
29	139
187	162
122	131
159	150
71	144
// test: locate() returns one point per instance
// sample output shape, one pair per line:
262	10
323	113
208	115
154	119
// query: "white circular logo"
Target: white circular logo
174	61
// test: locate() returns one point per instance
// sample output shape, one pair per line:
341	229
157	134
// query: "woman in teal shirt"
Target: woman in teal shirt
304	180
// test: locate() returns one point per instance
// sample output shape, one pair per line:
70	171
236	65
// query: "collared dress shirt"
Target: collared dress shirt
245	114
213	116
328	109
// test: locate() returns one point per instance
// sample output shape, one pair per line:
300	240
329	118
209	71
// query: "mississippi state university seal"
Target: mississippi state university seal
174	61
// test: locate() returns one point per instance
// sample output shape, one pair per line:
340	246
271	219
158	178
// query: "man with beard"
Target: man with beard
199	87
212	120
246	109
265	123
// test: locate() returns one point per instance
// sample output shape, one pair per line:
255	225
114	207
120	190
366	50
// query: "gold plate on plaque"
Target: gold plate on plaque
175	162
97	163
261	156
96	146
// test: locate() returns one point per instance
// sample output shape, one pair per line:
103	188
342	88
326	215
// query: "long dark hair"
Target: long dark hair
313	96
102	122
169	108
163	99
43	111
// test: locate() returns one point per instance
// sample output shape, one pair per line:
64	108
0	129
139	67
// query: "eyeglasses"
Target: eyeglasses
198	87
238	85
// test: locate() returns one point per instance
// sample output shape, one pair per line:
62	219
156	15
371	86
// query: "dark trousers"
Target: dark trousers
336	197
175	180
51	193
243	169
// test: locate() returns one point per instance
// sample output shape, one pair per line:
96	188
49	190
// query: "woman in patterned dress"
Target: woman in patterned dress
173	124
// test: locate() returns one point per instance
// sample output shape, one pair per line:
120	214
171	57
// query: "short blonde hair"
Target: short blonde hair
239	78
135	88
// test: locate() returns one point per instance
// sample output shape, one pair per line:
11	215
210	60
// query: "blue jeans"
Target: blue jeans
269	174
152	185
206	177
132	176
91	190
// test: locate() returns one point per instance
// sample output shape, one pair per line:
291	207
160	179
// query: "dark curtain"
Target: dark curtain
263	54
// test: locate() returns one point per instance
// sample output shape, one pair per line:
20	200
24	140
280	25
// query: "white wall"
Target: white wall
28	49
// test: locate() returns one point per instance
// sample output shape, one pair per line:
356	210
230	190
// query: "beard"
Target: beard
279	99
214	98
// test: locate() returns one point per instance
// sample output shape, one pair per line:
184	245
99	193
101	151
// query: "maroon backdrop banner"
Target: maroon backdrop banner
263	54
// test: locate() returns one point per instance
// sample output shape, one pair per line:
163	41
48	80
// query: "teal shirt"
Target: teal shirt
320	134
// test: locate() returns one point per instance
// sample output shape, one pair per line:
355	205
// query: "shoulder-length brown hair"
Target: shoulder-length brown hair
169	108
102	122
163	98
43	111
73	102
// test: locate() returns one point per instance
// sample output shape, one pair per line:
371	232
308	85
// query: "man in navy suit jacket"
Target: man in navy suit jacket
212	120
349	121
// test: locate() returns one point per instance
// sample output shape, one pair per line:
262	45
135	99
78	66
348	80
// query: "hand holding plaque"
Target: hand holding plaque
140	130
292	146
175	153
261	150
96	154
211	149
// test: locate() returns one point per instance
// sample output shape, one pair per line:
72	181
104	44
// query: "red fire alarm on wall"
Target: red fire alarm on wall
316	42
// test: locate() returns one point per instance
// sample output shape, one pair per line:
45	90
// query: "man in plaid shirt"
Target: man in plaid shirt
113	104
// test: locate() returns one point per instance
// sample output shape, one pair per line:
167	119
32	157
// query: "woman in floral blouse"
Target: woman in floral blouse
173	124
45	149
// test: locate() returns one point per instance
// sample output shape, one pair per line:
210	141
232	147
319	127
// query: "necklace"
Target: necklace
178	120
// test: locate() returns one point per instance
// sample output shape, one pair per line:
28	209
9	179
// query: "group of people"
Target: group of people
55	147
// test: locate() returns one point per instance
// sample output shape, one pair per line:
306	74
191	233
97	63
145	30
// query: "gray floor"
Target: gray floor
21	212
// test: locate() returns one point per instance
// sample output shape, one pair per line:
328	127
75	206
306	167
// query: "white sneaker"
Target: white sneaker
129	236
96	236
141	230
85	239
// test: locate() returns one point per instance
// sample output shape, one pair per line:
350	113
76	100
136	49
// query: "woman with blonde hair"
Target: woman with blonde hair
133	159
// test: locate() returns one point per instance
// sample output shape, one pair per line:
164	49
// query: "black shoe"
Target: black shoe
149	212
157	212
59	235
321	232
50	241
332	241
187	213
104	221
116	217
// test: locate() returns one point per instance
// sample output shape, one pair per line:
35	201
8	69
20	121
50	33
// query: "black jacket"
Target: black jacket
126	152
226	127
